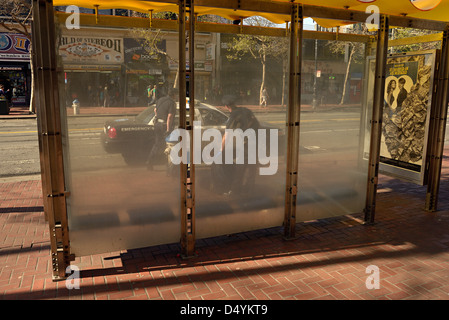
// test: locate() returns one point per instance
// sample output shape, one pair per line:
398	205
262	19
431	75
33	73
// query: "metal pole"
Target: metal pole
376	121
437	140
365	107
294	113
187	169
50	137
314	99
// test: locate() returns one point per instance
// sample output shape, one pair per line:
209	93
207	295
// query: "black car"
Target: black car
133	137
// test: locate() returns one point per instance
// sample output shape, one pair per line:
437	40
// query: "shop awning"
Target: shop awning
437	10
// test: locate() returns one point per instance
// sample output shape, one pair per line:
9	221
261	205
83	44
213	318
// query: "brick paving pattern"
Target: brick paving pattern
328	260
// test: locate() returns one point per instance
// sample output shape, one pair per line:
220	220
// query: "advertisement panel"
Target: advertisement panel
406	114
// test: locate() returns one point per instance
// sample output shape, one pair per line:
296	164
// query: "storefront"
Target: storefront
15	70
93	67
142	69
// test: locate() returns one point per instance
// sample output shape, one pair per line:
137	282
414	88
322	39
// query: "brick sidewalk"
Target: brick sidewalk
328	260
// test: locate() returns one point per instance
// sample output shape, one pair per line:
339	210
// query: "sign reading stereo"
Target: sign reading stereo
91	49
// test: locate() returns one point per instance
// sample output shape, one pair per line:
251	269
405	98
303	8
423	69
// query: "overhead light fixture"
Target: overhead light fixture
425	5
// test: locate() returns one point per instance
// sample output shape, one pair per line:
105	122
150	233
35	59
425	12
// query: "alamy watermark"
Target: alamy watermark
73	20
73	280
373	20
255	147
373	280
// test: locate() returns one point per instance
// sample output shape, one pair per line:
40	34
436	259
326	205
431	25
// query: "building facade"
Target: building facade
15	68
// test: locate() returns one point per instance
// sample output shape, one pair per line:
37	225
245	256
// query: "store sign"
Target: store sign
14	47
210	51
91	49
208	66
91	67
11	68
135	50
199	65
155	71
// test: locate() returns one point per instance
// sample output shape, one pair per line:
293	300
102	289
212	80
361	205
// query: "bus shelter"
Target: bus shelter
98	200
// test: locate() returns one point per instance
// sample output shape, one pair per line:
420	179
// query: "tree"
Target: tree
400	33
152	38
355	50
16	16
259	47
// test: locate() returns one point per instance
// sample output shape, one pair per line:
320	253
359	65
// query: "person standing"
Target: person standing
106	97
165	112
264	97
150	95
2	91
155	93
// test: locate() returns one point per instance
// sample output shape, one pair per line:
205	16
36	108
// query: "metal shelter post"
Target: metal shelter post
376	120
439	126
186	76
50	137
294	113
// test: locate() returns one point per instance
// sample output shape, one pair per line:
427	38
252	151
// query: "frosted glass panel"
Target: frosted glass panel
332	173
116	202
242	78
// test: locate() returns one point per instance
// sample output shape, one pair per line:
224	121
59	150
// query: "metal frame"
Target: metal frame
414	40
50	138
293	120
284	8
438	128
49	120
123	22
187	169
369	46
376	120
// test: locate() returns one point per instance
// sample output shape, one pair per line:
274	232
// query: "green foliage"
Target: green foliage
257	46
401	33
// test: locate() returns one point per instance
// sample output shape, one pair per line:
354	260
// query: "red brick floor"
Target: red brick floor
328	260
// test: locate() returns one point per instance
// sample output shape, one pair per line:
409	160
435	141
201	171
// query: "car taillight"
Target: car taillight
112	132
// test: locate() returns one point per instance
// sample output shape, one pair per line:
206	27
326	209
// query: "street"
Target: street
19	149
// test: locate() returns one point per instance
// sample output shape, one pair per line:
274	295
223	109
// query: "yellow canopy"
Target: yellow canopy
437	10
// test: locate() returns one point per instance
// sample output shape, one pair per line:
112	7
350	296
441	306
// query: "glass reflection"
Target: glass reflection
247	192
116	200
333	175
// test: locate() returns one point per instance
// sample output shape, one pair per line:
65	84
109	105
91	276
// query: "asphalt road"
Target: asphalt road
19	149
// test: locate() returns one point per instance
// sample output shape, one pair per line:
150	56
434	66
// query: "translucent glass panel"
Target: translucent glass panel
120	198
332	172
226	202
116	202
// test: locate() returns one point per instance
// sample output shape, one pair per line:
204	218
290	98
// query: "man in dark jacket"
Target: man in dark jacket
165	112
238	177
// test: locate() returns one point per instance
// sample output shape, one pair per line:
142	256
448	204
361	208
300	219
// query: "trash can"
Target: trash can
4	106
